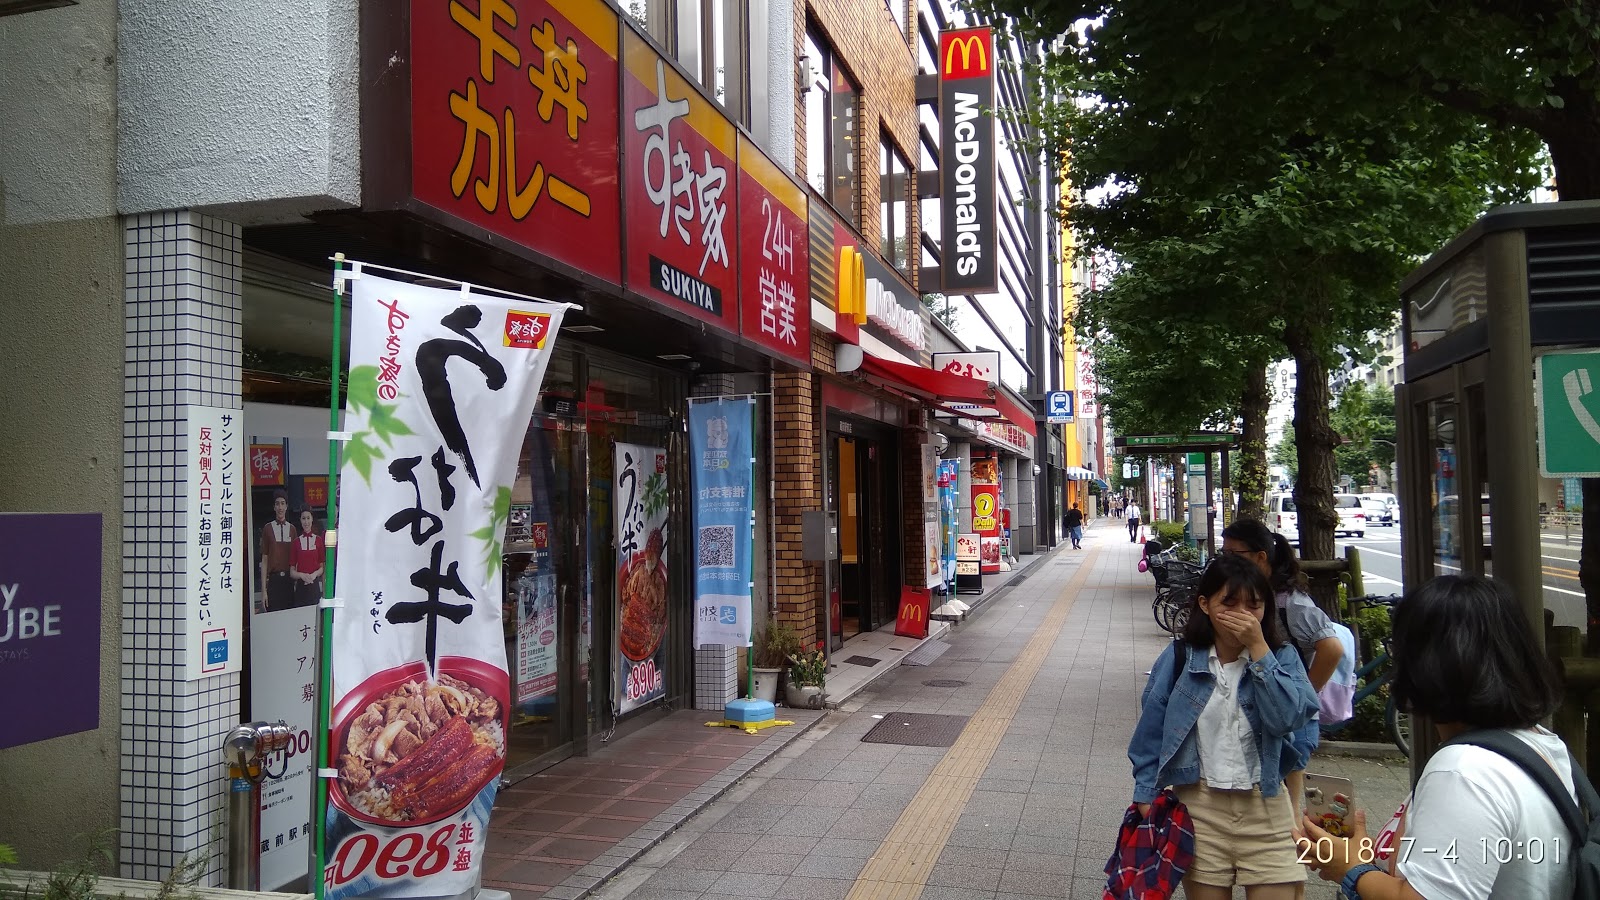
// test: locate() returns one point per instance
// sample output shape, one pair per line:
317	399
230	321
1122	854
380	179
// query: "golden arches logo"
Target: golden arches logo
852	285
969	44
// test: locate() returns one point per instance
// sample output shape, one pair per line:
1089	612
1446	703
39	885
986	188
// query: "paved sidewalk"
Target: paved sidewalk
1027	802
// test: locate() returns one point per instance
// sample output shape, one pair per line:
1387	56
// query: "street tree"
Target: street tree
1363	417
1314	222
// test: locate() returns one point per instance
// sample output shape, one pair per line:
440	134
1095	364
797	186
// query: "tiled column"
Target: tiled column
181	311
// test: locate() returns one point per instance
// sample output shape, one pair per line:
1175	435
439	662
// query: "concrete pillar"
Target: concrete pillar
182	326
1024	518
963	451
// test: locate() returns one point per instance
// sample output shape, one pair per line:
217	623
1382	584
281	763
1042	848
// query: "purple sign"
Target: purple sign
50	624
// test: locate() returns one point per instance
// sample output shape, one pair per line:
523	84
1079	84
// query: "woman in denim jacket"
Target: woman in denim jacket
1219	718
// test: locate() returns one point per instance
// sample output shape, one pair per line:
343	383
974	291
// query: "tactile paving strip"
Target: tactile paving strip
916	730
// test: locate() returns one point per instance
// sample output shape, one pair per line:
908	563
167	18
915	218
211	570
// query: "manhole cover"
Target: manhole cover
916	730
944	682
862	660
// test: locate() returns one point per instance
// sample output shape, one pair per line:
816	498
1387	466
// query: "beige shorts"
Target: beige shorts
1241	837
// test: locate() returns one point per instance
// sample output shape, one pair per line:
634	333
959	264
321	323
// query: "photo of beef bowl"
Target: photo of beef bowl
412	750
644	601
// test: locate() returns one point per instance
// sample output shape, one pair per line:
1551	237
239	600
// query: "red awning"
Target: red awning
941	388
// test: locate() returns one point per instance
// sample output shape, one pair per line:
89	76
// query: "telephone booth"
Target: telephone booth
1478	493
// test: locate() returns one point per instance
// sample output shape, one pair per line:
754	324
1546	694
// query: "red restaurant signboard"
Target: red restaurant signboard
774	258
680	188
514	123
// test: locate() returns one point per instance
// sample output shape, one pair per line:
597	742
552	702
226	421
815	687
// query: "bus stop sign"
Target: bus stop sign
1568	388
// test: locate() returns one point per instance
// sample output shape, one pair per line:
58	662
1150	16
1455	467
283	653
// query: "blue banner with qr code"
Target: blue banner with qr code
722	469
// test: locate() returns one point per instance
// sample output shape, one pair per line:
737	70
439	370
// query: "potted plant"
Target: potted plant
774	645
808	674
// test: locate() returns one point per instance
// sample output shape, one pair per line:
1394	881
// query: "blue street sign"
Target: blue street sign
1058	407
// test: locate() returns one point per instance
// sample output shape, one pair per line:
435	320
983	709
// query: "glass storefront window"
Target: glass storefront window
1446	524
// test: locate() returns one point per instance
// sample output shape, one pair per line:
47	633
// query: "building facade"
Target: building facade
716	221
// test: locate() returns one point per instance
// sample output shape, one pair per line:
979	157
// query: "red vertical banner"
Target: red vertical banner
514	123
986	511
774	257
679	182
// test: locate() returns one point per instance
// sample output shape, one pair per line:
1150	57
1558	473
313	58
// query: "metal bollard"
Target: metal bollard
244	750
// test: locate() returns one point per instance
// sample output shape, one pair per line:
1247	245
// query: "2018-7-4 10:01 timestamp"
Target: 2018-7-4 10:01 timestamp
1500	850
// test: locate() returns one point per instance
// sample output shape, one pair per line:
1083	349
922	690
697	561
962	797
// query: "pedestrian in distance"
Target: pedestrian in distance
1075	526
1466	658
1217	722
1133	522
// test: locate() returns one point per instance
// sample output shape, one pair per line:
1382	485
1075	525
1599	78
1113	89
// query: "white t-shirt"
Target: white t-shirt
1229	760
1488	809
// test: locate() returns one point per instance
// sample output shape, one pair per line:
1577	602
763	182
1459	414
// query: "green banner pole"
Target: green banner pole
324	717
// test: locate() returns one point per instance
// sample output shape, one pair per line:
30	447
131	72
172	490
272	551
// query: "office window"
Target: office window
895	206
708	38
832	133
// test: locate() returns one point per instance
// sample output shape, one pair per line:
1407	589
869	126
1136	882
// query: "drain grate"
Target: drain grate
926	654
944	682
916	730
862	660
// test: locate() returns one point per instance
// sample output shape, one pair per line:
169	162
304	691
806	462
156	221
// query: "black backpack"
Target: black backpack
1584	823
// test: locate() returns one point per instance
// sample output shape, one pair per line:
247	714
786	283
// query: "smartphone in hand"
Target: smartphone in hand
1330	802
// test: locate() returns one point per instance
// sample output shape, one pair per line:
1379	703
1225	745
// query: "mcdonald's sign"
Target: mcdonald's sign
967	212
912	620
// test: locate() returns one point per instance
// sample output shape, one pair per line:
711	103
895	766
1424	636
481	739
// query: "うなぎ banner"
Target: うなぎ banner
440	384
640	495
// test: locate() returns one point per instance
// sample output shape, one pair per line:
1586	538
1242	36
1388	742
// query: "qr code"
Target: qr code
716	546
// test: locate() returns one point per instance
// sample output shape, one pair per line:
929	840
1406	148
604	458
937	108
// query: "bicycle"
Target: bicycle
1176	580
1373	677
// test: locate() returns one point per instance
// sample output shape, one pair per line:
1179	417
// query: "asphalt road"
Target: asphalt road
1380	566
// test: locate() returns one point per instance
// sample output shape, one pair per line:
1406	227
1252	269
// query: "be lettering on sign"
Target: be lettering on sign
774	257
512	101
679	189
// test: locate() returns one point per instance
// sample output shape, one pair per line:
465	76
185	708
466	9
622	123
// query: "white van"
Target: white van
1282	517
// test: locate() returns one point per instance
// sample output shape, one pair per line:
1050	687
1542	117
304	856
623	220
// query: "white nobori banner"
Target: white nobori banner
442	384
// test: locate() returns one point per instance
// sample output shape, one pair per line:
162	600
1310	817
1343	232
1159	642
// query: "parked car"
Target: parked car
1352	517
1391	505
1377	511
1282	517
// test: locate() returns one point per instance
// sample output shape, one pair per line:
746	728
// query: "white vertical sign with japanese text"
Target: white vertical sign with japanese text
441	386
214	577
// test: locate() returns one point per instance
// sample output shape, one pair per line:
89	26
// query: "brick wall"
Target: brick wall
869	45
797	472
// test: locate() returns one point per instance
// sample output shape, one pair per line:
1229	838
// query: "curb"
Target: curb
588	879
1361	749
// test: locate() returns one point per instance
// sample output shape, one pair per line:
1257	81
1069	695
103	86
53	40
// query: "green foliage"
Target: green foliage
8	855
775	644
940	307
1286	454
655	494
381	423
1365	418
491	535
809	667
1168	533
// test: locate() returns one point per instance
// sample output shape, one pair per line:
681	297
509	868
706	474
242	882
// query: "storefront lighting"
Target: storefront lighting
582	329
673	357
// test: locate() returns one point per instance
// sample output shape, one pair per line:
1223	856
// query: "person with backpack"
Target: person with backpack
1312	631
1217	720
1495	813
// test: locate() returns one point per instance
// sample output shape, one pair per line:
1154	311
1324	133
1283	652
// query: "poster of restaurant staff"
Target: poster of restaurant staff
420	687
724	497
639	495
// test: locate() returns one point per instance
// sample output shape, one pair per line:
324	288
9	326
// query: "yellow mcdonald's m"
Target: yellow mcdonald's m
852	285
911	612
967	44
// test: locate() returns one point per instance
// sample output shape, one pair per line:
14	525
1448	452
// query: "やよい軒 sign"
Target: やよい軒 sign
49	624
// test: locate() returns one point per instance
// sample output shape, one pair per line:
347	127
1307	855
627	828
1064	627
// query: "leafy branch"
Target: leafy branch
362	450
490	534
